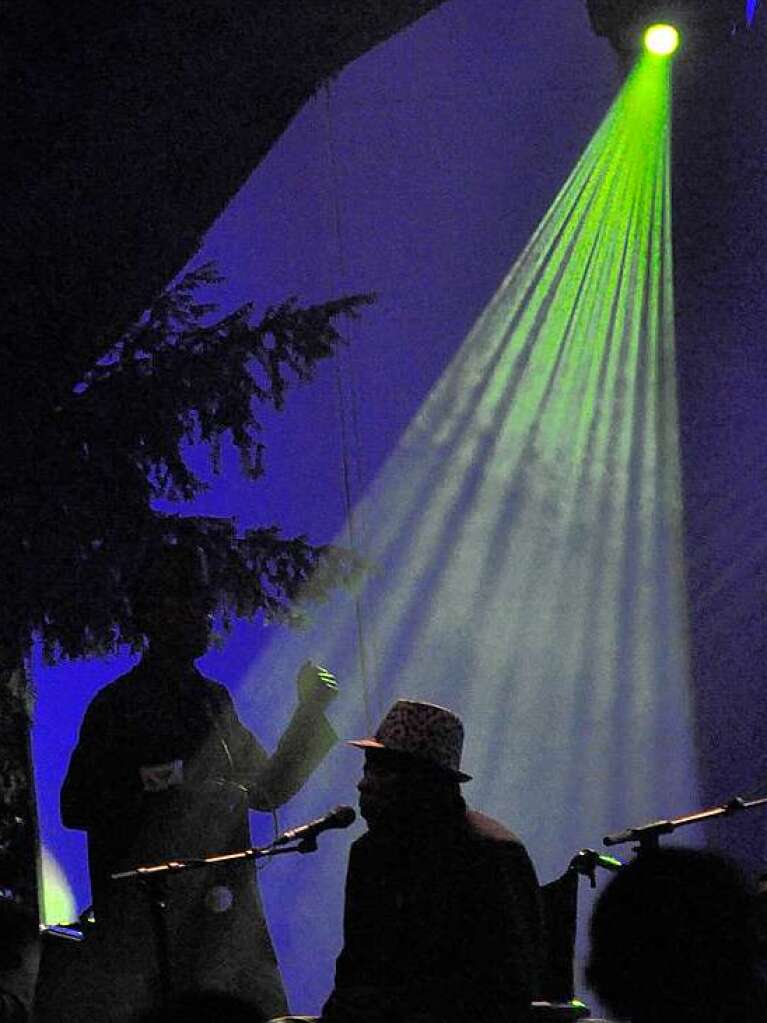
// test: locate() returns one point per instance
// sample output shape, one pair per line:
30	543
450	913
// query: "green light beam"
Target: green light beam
528	525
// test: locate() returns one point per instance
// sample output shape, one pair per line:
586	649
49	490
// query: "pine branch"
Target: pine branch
77	514
179	380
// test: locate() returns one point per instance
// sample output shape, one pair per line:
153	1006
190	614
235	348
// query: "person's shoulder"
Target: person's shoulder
370	847
115	690
209	683
215	691
482	828
362	842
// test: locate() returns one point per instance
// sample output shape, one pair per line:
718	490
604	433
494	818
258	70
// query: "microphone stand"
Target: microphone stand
648	835
306	845
152	877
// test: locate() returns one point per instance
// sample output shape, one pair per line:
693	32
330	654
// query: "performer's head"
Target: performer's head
172	604
674	940
412	764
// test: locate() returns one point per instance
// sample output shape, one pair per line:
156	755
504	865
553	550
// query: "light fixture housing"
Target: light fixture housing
702	25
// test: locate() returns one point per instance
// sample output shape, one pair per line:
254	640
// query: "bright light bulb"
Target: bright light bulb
662	40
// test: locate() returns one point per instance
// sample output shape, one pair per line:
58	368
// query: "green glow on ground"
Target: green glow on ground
58	904
662	40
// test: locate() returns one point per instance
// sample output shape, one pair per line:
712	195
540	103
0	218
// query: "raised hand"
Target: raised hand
316	683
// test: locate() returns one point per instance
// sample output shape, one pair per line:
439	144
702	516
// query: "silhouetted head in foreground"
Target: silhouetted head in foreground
674	938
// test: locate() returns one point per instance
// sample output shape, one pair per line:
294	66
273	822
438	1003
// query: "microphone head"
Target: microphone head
342	817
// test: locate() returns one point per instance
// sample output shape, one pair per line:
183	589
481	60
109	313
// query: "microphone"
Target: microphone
588	859
644	833
341	817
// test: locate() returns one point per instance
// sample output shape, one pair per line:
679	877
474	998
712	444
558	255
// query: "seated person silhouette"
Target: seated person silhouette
442	917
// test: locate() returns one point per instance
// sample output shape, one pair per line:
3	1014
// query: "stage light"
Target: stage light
704	26
661	40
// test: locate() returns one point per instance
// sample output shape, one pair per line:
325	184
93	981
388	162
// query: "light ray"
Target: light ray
527	527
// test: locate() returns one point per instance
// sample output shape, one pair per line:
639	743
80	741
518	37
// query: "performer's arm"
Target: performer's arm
273	780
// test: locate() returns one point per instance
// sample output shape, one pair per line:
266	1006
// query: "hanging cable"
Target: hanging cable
349	421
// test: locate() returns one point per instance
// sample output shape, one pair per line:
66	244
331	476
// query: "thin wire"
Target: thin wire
348	413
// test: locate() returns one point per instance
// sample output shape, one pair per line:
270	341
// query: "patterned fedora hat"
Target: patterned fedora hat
422	730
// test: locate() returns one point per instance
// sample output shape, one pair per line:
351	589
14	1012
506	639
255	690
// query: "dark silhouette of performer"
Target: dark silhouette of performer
442	916
164	769
19	961
203	1007
674	939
